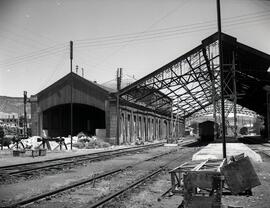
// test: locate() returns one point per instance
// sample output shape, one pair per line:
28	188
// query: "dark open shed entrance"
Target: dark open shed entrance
85	118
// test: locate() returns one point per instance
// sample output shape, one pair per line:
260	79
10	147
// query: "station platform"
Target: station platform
214	151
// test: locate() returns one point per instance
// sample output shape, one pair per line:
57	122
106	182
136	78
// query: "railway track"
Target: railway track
97	177
135	184
265	153
258	146
60	162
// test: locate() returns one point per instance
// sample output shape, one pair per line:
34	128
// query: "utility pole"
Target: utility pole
221	78
71	54
71	95
25	115
82	72
234	97
118	80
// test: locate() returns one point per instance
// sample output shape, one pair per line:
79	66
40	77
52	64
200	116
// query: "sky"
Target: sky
139	36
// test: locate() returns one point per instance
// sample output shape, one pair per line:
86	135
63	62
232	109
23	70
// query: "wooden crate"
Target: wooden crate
31	153
42	152
35	153
18	153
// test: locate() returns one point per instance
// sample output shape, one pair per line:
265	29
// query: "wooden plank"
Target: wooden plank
178	167
240	175
221	164
239	157
199	166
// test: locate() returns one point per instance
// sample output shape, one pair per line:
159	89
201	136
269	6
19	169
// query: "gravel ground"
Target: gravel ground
90	193
25	188
260	197
148	195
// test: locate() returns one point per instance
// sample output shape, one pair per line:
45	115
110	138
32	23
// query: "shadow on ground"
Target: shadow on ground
197	144
252	139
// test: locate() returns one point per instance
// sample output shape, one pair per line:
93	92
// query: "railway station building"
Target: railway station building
156	106
94	112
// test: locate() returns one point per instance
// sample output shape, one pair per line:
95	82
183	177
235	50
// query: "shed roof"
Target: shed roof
76	78
190	79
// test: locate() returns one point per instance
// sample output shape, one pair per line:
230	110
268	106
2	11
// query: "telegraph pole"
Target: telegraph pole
71	54
25	114
71	95
221	78
118	80
234	97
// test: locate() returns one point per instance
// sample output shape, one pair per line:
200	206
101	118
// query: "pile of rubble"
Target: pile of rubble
89	142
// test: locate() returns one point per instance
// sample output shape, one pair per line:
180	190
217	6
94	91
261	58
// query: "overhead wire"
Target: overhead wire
81	58
51	51
246	21
21	39
173	32
141	36
170	29
34	58
59	65
48	49
34	55
114	79
226	25
181	4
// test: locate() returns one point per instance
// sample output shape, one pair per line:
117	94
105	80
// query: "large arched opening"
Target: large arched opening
85	119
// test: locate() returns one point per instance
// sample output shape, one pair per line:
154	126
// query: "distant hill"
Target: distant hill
12	105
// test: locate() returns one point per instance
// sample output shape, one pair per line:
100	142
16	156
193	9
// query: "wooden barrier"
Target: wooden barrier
177	173
45	142
240	176
202	189
26	152
200	182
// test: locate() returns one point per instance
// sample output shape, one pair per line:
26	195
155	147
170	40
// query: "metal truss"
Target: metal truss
182	87
228	109
190	84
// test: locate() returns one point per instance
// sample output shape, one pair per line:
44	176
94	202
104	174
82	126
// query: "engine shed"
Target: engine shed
50	108
94	112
